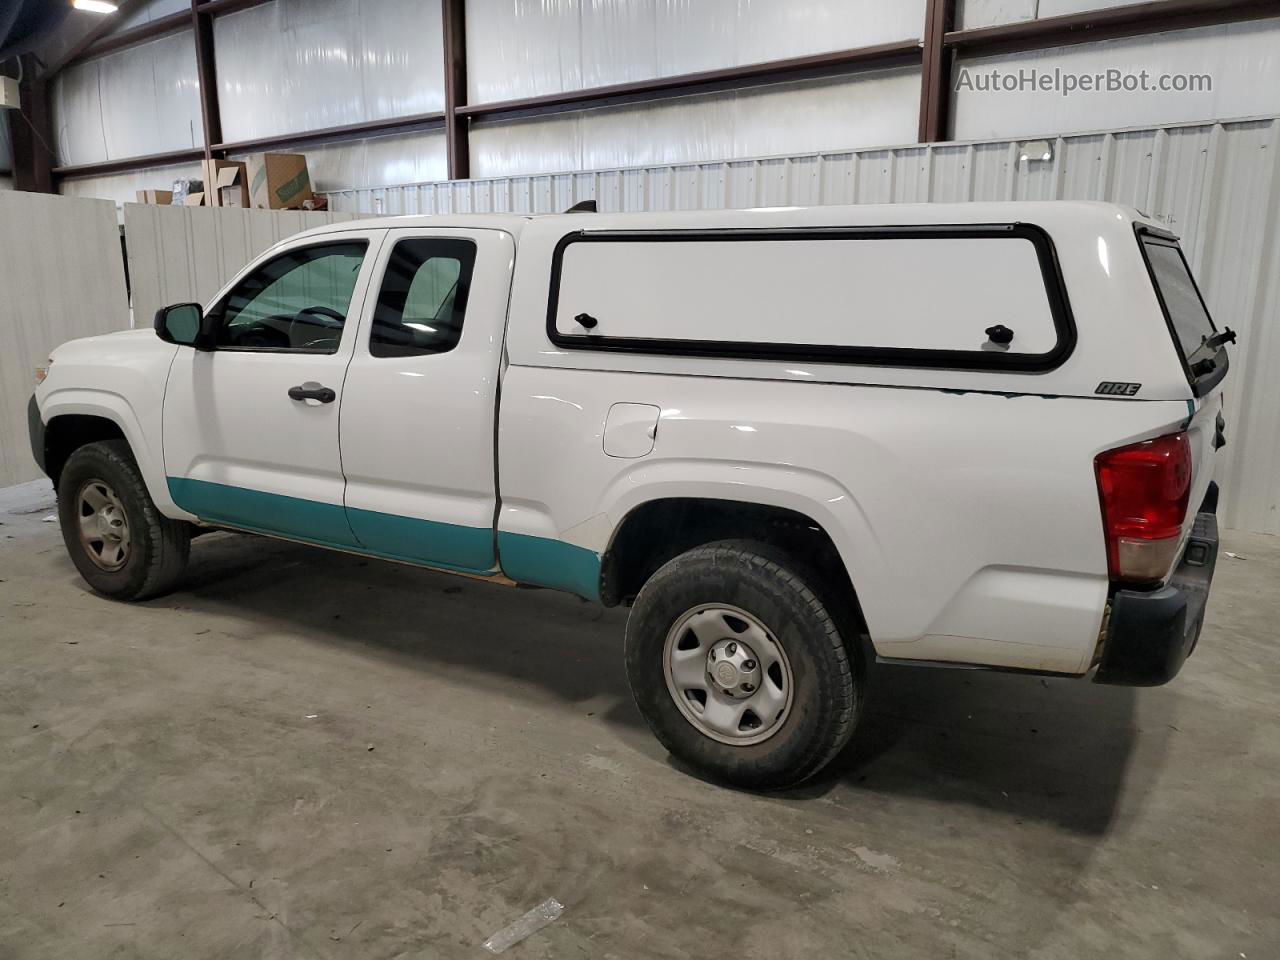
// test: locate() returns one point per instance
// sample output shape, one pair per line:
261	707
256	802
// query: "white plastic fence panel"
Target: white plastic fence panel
296	65
185	254
62	273
142	100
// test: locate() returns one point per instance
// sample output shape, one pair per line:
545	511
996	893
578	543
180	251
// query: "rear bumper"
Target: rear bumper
35	427
1151	633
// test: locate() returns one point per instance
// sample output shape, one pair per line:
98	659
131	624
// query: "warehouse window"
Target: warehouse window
294	303
423	298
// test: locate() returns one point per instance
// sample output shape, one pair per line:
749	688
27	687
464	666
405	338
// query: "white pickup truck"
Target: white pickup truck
979	434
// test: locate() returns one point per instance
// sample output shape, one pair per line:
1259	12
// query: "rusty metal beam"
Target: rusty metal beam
131	38
350	131
935	72
707	81
456	126
207	72
1137	19
31	130
77	50
126	164
216	8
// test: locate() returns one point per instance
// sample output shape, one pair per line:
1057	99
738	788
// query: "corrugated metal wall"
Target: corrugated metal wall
185	254
1217	185
64	258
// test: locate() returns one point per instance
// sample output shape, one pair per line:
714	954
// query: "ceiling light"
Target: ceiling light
94	6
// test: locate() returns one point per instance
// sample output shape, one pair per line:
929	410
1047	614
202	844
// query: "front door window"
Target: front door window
294	303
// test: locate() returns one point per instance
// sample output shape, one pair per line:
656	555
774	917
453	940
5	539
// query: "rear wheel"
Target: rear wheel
121	544
739	667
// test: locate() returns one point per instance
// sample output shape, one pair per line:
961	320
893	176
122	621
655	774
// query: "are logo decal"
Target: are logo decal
1114	388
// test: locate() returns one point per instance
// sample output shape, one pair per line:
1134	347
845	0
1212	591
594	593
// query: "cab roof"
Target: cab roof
1046	213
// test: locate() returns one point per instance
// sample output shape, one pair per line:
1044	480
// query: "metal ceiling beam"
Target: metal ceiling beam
216	8
707	81
164	26
77	50
97	43
350	131
126	164
1137	19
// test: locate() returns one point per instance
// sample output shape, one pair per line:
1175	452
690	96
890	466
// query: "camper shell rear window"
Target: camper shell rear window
1184	309
915	296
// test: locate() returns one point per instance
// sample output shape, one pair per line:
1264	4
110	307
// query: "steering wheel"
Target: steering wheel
302	328
268	333
324	312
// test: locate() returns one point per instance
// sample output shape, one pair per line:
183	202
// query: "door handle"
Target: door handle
312	391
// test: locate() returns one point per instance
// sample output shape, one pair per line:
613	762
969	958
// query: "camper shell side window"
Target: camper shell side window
965	297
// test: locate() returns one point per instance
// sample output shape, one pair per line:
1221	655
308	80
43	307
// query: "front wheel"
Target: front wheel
121	544
739	668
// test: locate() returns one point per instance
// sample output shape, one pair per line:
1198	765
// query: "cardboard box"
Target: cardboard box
194	199
233	186
226	183
278	181
182	189
162	197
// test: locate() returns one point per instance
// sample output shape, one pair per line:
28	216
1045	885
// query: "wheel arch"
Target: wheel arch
73	418
68	432
657	530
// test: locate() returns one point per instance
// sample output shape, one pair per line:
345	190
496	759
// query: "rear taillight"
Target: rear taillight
1144	488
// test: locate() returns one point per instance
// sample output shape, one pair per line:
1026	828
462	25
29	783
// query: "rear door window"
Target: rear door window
423	297
1183	306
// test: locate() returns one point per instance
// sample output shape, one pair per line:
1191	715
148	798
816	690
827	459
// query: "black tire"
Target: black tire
158	547
783	596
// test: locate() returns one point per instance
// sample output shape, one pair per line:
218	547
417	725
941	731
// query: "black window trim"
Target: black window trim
310	351
1051	273
1200	386
464	289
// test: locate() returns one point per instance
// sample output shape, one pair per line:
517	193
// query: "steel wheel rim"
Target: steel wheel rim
710	695
103	525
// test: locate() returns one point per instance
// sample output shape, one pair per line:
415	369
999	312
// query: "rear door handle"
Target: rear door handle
312	391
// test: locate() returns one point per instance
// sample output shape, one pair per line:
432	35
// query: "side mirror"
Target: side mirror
179	324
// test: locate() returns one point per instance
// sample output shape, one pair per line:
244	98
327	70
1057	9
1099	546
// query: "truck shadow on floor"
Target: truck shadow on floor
1043	750
1031	748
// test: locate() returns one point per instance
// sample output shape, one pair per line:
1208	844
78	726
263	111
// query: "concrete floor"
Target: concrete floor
303	754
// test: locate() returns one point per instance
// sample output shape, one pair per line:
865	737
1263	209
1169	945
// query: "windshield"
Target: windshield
1186	310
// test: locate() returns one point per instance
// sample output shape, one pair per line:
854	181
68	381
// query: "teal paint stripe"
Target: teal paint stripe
324	523
535	560
550	563
424	541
